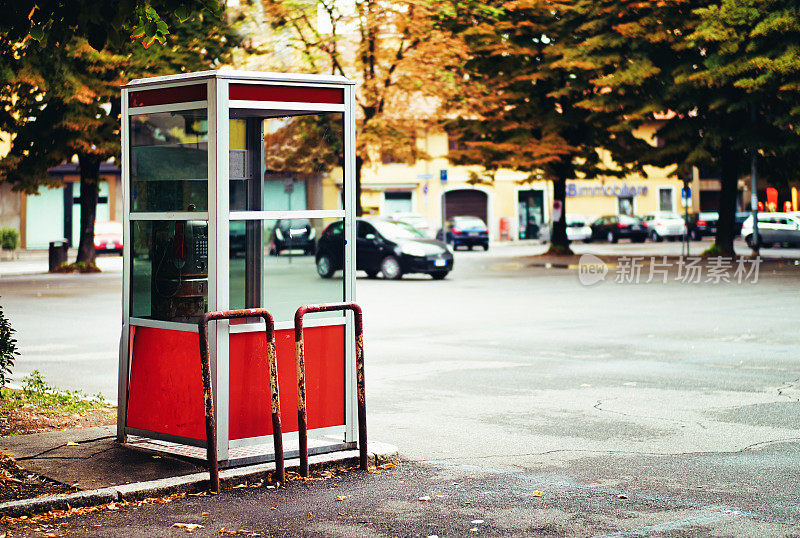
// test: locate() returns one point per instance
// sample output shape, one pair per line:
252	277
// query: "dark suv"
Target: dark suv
612	228
389	248
466	231
292	234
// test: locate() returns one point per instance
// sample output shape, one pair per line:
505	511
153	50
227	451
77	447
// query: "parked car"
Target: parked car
292	234
612	228
739	219
702	225
578	228
773	229
662	226
414	219
466	231
384	247
108	237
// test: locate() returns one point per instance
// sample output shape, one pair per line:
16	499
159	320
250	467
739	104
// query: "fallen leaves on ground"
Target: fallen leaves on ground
71	512
188	526
537	493
243	532
425	499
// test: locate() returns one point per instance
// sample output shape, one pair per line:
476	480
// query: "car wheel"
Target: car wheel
486	247
390	268
439	275
655	237
611	238
324	266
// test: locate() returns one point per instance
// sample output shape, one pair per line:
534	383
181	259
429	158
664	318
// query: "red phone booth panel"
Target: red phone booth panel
166	388
249	381
166	391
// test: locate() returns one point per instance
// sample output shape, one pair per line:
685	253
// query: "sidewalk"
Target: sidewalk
92	461
33	262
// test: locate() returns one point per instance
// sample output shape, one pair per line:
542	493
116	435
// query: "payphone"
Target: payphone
180	270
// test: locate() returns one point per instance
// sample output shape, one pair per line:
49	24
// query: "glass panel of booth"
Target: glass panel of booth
273	265
285	163
169	270
169	161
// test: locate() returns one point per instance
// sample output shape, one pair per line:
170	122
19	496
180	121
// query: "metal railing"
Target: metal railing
208	395
302	425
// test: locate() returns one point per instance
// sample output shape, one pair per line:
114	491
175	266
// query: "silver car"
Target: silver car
773	229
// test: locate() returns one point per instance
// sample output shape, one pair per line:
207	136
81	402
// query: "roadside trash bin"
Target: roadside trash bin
58	254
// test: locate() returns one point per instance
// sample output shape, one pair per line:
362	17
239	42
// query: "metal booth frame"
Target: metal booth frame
219	106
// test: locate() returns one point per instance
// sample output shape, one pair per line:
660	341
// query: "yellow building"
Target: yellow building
512	205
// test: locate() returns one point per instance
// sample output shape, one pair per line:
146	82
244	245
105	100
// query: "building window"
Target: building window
665	200
453	144
625	205
396	202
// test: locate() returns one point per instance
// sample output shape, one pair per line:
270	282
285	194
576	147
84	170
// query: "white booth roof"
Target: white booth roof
235	75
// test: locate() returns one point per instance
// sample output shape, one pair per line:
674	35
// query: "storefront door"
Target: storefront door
530	205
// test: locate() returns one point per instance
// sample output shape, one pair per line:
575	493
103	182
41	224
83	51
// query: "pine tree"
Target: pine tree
687	61
533	119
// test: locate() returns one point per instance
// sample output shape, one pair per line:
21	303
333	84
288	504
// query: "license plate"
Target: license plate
439	263
473	234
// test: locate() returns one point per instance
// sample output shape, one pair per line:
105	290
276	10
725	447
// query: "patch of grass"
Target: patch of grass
38	393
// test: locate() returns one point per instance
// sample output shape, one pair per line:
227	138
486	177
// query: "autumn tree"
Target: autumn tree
63	101
531	119
402	59
100	22
723	73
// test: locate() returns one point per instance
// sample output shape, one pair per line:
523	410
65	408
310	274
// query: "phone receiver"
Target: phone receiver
179	244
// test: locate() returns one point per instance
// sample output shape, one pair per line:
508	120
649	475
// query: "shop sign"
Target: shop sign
620	191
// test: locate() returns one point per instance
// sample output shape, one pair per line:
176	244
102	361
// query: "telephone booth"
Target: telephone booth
232	181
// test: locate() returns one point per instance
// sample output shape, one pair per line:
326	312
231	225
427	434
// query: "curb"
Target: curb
379	453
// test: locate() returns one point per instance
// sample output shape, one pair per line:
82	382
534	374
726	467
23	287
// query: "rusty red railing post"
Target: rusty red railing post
208	395
302	426
208	400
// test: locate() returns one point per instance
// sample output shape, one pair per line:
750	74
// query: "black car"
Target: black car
612	228
384	247
466	231
292	234
702	225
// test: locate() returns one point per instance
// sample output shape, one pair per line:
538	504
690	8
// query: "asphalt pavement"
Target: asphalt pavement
661	408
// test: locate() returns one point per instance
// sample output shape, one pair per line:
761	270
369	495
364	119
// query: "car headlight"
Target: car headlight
413	250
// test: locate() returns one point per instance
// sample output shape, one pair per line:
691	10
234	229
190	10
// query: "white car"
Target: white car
662	226
414	219
773	229
578	229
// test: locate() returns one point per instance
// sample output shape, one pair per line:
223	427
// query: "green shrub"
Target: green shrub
8	348
9	238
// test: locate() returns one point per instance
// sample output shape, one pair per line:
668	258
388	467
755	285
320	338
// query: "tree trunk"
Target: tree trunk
359	165
90	177
729	180
559	243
